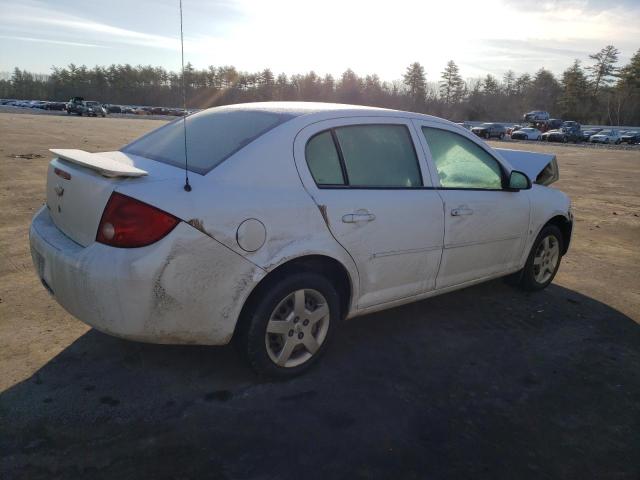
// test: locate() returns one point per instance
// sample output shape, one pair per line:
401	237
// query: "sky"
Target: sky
326	36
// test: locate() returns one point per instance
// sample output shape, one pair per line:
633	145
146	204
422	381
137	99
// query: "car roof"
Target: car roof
311	110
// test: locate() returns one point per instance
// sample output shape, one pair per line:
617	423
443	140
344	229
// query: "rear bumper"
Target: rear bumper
186	288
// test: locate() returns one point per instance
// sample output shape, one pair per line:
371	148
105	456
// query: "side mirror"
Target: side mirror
518	181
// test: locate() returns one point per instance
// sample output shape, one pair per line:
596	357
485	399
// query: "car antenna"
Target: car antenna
187	187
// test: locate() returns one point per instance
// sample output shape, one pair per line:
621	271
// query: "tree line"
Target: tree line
601	92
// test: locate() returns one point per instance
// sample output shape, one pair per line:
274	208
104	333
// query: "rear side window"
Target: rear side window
461	163
379	156
212	136
364	156
323	160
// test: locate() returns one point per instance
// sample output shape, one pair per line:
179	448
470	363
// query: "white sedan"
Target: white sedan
527	133
606	136
297	216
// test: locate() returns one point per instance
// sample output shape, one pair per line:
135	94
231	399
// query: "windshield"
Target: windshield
212	136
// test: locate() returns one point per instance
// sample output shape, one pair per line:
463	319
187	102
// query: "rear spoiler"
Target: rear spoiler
117	164
541	168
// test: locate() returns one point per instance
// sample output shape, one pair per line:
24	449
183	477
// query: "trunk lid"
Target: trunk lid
80	183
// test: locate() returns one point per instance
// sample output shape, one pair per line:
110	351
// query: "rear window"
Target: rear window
212	137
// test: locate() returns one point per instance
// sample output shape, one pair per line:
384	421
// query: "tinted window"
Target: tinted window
460	162
213	136
322	158
379	156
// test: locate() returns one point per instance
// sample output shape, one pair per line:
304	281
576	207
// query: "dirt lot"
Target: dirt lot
488	382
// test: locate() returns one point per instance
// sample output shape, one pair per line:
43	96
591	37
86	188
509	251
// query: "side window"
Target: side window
460	162
379	156
323	161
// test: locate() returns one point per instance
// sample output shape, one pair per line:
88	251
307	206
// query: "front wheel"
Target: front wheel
288	326
544	259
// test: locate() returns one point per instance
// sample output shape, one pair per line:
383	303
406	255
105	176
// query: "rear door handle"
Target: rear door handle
358	217
456	212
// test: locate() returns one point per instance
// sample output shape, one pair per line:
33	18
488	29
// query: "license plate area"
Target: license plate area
39	262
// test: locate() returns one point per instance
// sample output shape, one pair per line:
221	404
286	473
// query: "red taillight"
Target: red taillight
62	174
127	223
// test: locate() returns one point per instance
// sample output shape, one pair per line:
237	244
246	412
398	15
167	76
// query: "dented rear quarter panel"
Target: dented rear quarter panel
194	295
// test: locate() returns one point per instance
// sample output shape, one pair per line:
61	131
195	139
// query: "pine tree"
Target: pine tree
509	83
490	85
604	67
575	93
451	85
416	82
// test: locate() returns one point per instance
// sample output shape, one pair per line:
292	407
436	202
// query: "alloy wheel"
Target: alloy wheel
546	259
297	328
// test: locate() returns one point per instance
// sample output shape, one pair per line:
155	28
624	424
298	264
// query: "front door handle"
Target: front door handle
358	217
456	212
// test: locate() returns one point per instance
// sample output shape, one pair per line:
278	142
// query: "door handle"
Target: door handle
358	217
456	212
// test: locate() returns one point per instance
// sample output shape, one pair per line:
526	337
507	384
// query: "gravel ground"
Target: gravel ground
487	382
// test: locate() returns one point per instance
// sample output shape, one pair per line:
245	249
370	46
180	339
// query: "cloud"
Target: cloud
55	42
30	17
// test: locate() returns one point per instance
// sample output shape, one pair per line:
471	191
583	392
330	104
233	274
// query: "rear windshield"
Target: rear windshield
212	136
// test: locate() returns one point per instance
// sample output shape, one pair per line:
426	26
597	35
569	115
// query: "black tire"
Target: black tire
528	281
252	328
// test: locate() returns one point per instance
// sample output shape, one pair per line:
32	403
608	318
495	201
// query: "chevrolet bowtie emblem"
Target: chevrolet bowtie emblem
59	190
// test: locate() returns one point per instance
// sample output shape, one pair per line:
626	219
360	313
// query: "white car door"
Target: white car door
373	188
485	225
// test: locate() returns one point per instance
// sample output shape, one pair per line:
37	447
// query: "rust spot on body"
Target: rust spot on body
323	212
197	224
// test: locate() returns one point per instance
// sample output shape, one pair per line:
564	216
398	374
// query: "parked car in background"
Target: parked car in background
513	128
490	130
75	105
586	134
536	116
564	135
631	137
606	136
94	109
279	267
113	108
571	124
55	106
526	133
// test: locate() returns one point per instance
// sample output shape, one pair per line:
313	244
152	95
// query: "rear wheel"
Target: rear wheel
544	259
288	327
